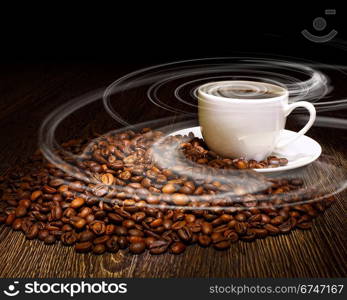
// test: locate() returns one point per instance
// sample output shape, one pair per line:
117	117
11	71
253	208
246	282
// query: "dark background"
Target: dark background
144	34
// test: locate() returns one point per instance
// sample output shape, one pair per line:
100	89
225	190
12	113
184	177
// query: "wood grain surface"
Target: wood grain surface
29	92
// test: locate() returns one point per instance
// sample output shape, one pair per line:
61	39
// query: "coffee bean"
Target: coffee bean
135	232
17	224
185	234
122	242
21	211
231	235
35	195
149	240
178	225
112	244
99	249
206	228
97	227
43	234
77	202
107	179
86	236
10	218
169	188
56	212
204	240
68	238
137	248
304	225
78	222
273	230
24	203
158	246
115	218
49	240
83	247
32	232
177	248
180	199
277	220
240	228
222	245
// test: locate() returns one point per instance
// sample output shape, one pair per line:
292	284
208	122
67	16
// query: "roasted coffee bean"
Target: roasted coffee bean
110	229
17	224
86	236
78	222
43	234
240	217
185	234
149	240
217	237
49	239
107	179
138	216
115	218
206	228
99	249
112	244
10	218
158	246
240	228
177	248
231	235
24	203
137	248
250	236
35	195
273	230
121	230
277	220
97	227
204	240
304	225
21	211
260	232
169	188
122	242
135	232
285	227
83	247
56	212
180	199
32	232
178	225
77	202
156	223
222	245
68	238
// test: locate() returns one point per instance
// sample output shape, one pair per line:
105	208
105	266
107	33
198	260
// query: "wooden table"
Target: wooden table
29	92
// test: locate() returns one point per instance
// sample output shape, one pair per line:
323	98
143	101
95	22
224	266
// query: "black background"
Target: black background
171	30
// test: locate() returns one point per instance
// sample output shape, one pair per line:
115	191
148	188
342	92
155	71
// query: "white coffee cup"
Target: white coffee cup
245	118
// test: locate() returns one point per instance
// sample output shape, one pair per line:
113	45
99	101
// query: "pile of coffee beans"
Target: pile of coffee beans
196	150
132	202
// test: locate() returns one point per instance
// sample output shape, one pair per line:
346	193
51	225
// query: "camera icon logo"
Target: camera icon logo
319	24
12	290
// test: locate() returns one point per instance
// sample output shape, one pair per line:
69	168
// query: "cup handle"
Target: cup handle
309	106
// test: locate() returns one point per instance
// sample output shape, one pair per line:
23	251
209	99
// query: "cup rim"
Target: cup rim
225	99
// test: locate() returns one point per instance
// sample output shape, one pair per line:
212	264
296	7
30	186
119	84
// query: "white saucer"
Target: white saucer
299	153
